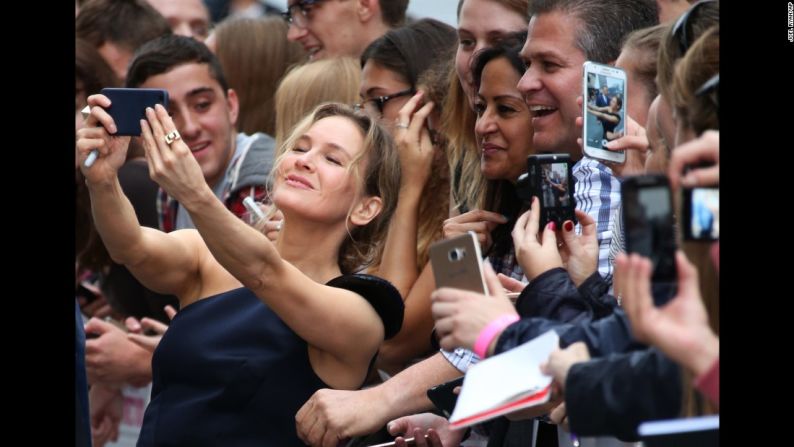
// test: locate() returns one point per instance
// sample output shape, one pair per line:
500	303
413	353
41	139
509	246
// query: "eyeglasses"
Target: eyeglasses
712	89
374	106
709	86
297	13
680	32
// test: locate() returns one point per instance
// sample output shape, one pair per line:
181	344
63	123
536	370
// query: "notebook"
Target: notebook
505	383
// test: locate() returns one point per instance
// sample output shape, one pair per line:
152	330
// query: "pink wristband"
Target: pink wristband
490	331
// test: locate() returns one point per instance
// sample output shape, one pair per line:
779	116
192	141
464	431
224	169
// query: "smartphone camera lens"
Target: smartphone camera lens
456	254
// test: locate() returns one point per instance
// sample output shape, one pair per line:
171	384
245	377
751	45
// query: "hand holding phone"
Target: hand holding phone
702	152
648	219
461	313
457	263
128	108
536	247
695	165
604	110
444	397
550	178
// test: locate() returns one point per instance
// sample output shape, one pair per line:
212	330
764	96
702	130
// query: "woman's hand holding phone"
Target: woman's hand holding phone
172	165
579	252
535	254
97	134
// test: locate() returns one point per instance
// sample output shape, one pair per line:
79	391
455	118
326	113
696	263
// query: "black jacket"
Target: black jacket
604	328
612	395
553	295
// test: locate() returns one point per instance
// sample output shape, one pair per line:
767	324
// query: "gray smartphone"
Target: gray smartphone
128	107
457	263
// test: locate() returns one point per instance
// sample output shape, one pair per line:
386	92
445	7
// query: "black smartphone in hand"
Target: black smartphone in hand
128	107
649	224
443	396
550	178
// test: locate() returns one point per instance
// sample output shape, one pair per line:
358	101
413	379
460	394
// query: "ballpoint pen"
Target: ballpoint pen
94	152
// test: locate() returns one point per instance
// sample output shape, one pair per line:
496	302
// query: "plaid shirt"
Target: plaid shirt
168	207
597	193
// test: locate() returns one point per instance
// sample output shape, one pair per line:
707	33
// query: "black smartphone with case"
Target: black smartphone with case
443	396
550	178
128	107
649	224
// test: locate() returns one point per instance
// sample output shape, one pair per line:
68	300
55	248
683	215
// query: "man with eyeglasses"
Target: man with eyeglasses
333	28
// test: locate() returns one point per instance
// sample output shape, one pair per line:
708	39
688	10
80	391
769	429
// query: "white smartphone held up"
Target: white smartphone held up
604	110
457	263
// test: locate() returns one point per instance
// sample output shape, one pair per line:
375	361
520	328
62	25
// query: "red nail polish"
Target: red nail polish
568	226
552	226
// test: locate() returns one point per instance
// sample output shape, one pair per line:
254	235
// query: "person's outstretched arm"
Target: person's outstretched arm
166	263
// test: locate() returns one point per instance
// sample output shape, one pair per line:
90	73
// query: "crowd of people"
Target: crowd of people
253	269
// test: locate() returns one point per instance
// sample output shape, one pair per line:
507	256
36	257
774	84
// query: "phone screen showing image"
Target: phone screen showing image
604	99
555	185
551	180
702	214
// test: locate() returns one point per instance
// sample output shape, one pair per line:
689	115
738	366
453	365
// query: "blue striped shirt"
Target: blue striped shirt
597	193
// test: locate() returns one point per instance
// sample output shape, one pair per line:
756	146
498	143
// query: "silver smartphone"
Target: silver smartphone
604	98
457	263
